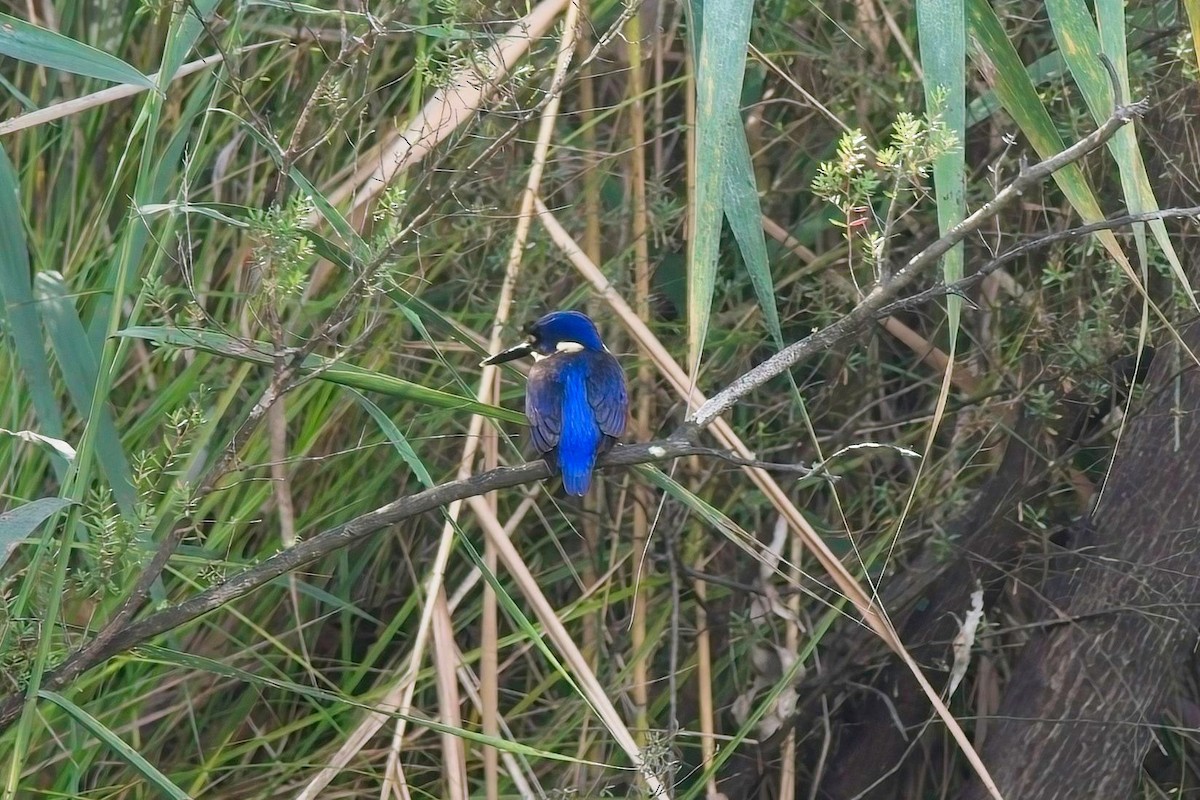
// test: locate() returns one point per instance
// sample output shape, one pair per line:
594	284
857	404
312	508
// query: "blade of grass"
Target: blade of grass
325	369
118	745
1139	196
1000	64
36	45
19	522
1193	14
401	444
196	662
185	32
942	28
20	310
80	370
156	169
54	445
744	213
720	65
1048	68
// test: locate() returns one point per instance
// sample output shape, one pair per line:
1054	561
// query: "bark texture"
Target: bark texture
1078	714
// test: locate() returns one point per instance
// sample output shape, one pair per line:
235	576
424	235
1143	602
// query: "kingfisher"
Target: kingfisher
575	397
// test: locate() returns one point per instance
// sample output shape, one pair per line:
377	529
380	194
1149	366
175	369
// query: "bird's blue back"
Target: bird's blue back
580	438
577	408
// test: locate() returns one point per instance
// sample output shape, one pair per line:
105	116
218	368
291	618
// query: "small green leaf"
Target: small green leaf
185	31
25	42
18	523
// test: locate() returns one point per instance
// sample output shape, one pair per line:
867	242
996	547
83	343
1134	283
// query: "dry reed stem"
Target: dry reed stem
105	96
470	683
787	769
445	112
454	752
643	499
489	667
556	632
704	685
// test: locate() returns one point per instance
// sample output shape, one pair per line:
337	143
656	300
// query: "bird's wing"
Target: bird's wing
543	406
606	394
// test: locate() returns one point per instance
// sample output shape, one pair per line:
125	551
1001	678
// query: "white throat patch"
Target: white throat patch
569	347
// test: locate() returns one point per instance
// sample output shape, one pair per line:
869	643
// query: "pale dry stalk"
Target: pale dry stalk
447	111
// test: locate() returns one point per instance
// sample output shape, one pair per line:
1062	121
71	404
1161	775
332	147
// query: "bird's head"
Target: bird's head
557	332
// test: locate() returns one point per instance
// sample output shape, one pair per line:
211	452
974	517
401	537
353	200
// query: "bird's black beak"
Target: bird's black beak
511	354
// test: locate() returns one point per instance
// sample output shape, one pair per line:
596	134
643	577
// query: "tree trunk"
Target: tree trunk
1077	715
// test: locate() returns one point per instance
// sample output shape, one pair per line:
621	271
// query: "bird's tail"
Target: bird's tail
577	455
577	478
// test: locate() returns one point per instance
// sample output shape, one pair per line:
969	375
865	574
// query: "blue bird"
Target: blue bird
575	398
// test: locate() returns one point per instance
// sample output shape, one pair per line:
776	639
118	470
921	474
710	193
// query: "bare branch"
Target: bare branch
883	293
119	638
959	286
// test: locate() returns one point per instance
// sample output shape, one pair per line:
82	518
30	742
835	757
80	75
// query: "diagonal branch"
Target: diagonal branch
883	293
329	541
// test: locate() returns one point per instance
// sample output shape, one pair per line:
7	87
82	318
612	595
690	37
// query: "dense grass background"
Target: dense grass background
251	205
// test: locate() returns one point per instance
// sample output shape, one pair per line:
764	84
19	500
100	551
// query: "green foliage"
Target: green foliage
858	179
848	181
162	256
282	253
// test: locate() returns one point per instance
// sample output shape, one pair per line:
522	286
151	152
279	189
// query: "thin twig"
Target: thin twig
961	285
